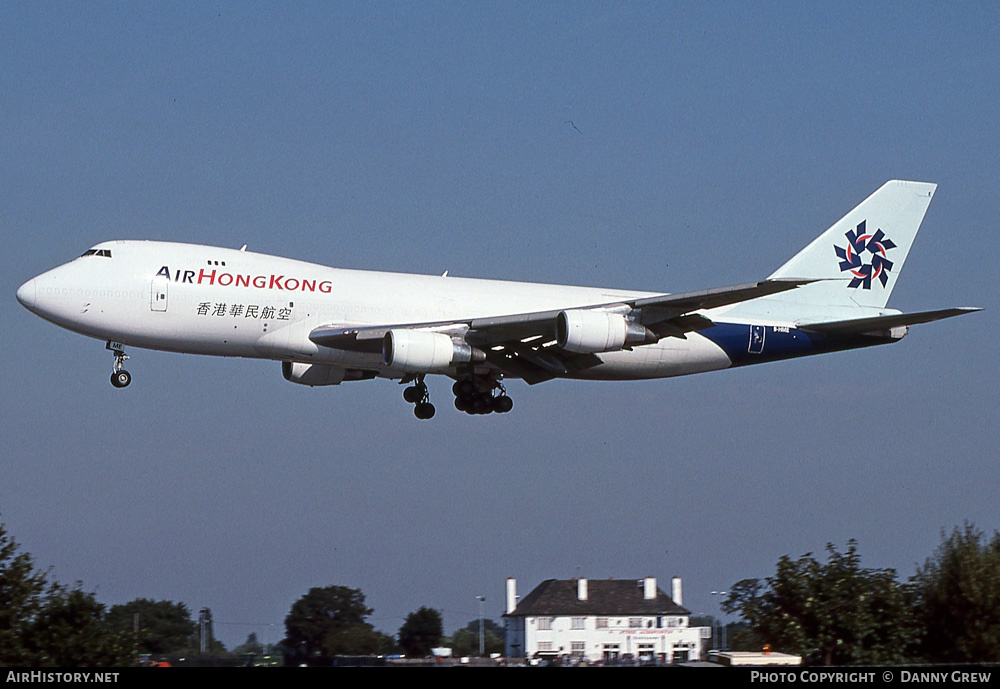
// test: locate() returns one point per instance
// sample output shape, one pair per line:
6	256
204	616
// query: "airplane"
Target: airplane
328	326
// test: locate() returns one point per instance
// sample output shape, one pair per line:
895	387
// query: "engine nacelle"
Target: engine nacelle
312	374
417	351
590	332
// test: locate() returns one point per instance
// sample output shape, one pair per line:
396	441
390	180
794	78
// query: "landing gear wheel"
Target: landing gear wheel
416	395
463	388
502	404
423	410
121	379
482	403
481	396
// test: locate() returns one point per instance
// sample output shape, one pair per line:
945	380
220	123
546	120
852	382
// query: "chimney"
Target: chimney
649	588
511	594
675	590
581	589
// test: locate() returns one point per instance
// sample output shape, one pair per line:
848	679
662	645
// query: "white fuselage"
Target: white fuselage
225	302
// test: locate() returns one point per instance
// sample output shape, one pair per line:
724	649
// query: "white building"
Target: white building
601	619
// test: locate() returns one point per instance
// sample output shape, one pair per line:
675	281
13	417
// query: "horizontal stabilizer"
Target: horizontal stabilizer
880	323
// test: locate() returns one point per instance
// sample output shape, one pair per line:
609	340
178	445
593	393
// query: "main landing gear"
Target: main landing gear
120	378
472	395
481	396
416	395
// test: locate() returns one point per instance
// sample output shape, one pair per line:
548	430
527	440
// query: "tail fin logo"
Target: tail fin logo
858	243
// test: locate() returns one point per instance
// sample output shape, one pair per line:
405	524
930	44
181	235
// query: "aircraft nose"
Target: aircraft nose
26	295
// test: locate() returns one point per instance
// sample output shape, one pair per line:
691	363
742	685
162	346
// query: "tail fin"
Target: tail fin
859	259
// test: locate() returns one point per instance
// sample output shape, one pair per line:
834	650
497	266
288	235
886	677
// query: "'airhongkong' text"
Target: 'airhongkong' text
278	282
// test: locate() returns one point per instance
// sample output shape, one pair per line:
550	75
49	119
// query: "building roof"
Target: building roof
558	597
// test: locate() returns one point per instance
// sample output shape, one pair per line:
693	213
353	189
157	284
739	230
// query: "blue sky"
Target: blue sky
656	146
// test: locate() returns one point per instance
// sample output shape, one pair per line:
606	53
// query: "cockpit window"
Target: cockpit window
97	252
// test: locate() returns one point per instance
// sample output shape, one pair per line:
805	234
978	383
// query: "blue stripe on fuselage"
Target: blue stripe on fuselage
780	342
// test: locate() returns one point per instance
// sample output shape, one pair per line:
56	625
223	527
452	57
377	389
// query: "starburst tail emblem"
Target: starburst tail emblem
859	242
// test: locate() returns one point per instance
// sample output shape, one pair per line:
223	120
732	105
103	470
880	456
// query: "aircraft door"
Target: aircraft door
756	339
158	294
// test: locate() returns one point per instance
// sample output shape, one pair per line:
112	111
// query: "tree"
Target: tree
165	627
70	630
957	599
465	641
249	647
330	621
22	592
44	624
832	614
421	632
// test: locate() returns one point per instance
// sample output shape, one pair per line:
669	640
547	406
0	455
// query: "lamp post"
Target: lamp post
722	623
481	599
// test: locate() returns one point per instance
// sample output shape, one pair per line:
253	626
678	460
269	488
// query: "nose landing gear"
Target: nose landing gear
120	378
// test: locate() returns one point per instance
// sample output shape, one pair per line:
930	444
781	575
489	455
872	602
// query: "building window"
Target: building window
602	623
673	622
544	645
578	623
545	623
578	647
635	622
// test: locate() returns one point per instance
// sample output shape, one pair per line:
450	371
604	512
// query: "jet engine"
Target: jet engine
312	374
418	351
590	332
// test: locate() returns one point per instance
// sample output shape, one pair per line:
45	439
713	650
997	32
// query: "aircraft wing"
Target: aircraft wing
882	323
524	344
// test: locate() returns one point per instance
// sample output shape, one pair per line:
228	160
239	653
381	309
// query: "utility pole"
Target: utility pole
482	622
205	626
722	622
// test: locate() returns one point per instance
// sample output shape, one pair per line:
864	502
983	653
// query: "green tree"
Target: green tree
957	599
740	637
165	627
250	647
832	614
44	624
70	630
421	632
330	621
386	644
465	641
22	592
